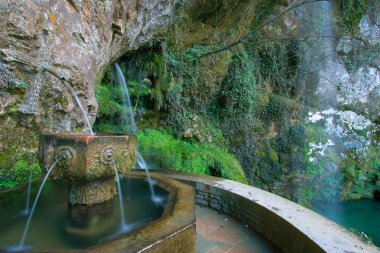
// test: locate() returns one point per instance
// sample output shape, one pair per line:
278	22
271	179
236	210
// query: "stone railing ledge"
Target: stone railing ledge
291	227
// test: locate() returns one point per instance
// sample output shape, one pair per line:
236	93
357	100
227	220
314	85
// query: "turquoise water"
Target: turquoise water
361	215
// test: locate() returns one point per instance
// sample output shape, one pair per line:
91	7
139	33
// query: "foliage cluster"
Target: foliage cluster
25	164
238	94
113	114
361	174
352	11
163	149
17	155
249	93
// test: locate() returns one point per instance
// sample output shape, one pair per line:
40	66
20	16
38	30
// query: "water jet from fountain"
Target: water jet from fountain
141	162
80	106
125	97
21	247
68	86
27	208
127	104
123	225
26	211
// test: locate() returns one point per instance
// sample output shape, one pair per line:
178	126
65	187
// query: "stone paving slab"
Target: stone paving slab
220	233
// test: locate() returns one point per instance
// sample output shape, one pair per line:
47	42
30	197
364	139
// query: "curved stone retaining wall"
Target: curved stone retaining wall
174	232
291	227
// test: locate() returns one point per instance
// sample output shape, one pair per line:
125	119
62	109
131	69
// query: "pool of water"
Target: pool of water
56	224
360	215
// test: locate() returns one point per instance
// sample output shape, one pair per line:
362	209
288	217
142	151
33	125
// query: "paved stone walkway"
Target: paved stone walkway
222	233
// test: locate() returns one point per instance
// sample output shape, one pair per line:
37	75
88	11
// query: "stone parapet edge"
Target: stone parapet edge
291	227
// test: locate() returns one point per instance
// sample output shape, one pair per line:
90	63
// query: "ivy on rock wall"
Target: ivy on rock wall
162	149
247	101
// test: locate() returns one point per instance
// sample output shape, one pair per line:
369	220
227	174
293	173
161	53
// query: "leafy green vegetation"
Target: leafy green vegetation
361	174
146	76
170	153
238	95
246	100
20	171
353	11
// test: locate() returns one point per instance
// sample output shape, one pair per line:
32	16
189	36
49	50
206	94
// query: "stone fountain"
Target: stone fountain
92	164
87	161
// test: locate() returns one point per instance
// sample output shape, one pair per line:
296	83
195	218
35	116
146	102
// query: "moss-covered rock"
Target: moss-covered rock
166	152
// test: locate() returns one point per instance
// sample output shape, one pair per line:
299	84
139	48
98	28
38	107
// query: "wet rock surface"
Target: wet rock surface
77	39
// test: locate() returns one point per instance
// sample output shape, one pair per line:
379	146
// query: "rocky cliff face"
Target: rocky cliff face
296	102
77	39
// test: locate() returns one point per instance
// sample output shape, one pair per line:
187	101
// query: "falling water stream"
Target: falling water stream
26	211
125	97
68	86
21	246
318	55
80	106
123	224
127	104
141	162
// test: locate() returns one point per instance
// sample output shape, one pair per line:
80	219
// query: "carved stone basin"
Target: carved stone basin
88	162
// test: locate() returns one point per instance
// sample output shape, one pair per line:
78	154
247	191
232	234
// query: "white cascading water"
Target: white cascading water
27	208
319	63
141	162
318	75
123	225
127	104
125	98
21	246
80	106
326	90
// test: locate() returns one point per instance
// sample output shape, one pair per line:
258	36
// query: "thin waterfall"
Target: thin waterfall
318	76
26	211
80	106
125	97
22	241
68	86
123	225
142	165
127	104
326	90
319	65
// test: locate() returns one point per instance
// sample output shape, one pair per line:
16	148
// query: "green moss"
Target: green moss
277	107
273	156
316	133
361	174
264	9
14	108
170	153
23	85
78	37
353	10
19	172
238	95
106	96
